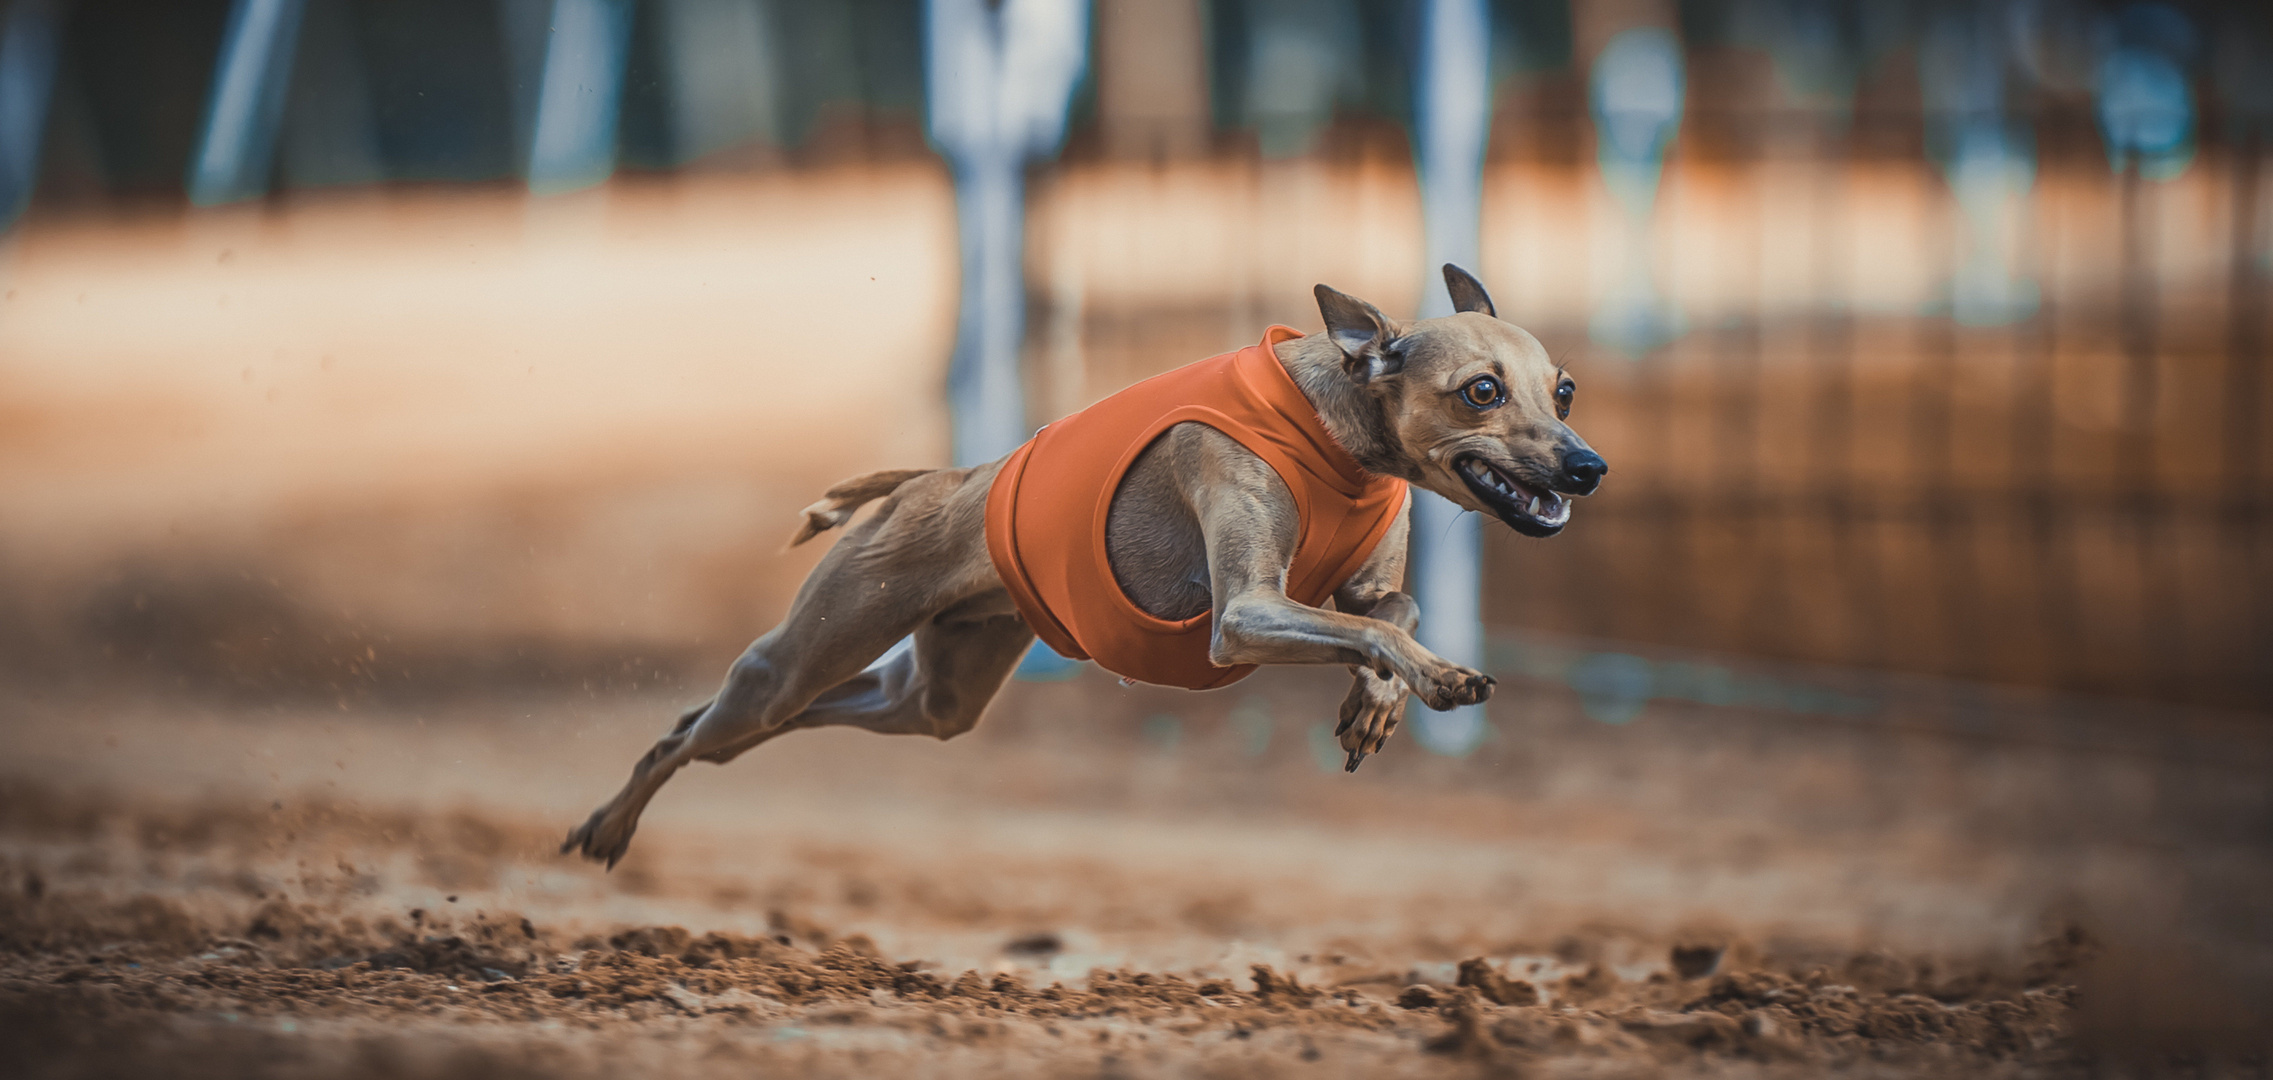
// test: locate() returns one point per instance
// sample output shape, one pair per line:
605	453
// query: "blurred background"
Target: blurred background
379	356
1922	338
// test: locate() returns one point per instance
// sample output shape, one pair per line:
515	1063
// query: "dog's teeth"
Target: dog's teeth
1535	506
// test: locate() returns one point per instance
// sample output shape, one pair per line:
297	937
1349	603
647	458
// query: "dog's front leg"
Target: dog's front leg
1375	705
1263	626
1251	527
1250	541
1369	715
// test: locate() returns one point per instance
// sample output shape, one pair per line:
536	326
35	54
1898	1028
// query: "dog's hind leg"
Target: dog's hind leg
961	664
939	688
771	678
881	583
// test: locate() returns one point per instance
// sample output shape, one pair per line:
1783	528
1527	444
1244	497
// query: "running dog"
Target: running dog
1180	532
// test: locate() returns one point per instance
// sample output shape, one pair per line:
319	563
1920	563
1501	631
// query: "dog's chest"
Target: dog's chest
1156	548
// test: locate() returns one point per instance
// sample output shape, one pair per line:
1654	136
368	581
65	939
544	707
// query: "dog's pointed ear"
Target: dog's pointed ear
1467	292
1365	336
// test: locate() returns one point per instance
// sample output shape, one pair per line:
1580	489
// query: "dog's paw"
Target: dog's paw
1369	716
600	839
1454	686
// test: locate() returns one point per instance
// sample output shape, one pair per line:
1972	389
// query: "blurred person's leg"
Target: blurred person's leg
238	140
572	143
27	76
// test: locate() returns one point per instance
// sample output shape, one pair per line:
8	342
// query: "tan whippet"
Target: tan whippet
1467	406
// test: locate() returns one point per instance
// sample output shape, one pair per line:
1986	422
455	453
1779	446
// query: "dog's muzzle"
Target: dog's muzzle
1527	508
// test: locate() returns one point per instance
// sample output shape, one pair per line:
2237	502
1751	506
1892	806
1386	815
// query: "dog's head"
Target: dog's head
1475	408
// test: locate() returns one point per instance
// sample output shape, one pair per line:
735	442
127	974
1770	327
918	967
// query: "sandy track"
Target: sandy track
191	893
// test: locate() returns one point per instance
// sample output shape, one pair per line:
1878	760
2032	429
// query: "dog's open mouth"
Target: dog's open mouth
1527	508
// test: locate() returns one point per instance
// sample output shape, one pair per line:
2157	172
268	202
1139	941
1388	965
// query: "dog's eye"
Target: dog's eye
1563	395
1483	392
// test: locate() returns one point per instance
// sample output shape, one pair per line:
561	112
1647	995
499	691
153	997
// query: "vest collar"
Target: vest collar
1269	377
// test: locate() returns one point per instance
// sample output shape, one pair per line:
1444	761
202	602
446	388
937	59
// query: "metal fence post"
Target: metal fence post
249	83
1451	123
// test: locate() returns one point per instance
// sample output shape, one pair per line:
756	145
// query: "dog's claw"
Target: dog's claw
1472	688
583	840
1356	756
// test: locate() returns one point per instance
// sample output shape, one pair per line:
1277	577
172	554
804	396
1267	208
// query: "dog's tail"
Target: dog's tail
838	503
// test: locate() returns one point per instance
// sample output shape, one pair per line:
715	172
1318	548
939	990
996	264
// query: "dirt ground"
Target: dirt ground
1102	882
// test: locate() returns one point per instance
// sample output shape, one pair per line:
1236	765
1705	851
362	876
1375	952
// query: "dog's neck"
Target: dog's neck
1353	416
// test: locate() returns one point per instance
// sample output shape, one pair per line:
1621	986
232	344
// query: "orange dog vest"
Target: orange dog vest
1046	510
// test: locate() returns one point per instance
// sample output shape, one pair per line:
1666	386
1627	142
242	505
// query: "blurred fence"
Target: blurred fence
2074	499
2077	500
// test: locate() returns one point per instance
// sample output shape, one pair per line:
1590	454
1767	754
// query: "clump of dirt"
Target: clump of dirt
1494	986
1695	958
1996	1025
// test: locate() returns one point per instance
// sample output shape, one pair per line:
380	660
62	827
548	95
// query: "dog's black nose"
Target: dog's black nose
1582	472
